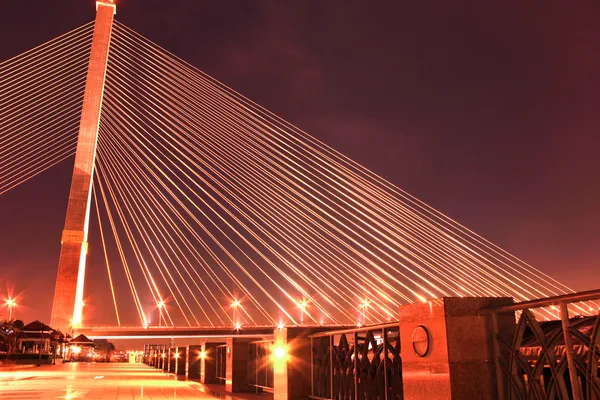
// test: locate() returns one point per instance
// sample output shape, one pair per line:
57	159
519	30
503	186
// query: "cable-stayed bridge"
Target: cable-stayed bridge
213	211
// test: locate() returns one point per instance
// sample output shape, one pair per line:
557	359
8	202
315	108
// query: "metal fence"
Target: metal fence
550	359
260	365
362	363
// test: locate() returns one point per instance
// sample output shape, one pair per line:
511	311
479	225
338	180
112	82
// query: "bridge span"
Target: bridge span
174	332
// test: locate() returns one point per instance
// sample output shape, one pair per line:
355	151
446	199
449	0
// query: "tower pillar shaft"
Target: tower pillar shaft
67	306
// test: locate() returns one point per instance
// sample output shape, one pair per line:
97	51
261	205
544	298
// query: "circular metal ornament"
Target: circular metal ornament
421	340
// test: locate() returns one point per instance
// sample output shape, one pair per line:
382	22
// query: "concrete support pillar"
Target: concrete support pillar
172	360
67	305
447	349
291	380
156	356
236	372
181	361
195	362
280	364
165	360
208	364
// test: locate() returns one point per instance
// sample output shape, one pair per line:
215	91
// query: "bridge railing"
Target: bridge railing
260	365
549	359
361	363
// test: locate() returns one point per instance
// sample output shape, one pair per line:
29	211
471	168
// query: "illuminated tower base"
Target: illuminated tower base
68	295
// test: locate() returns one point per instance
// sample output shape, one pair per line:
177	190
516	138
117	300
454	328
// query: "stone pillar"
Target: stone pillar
195	361
448	349
236	372
208	364
181	361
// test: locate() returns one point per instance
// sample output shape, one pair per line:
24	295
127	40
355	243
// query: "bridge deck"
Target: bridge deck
155	332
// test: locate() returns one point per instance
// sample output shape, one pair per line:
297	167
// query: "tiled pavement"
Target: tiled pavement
114	381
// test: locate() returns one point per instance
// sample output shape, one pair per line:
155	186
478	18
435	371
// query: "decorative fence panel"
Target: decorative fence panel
556	359
260	365
362	363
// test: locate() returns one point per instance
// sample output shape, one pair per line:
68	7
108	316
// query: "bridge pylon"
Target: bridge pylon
67	305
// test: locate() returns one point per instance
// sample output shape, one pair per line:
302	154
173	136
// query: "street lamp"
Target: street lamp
234	305
302	304
10	303
364	305
161	304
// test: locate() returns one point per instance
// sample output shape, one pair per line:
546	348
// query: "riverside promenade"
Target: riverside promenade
96	381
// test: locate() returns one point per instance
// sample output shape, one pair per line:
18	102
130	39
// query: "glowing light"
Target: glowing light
176	355
161	304
235	303
79	303
163	355
238	326
359	325
280	326
303	304
280	352
75	349
365	304
10	303
202	355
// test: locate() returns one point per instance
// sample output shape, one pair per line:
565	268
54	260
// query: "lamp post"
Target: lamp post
234	305
364	306
10	303
161	304
302	304
39	364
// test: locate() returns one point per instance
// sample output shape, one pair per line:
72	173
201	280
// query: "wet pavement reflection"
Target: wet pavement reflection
95	381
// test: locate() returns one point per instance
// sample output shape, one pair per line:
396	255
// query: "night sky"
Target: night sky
487	112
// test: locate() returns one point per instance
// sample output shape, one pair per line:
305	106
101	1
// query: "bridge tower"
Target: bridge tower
68	296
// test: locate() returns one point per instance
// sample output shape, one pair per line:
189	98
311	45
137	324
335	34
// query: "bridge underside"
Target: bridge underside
263	332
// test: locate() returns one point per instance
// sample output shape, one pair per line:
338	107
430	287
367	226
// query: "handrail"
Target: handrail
545	302
202	327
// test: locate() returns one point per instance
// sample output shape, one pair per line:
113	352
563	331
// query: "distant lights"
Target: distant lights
302	304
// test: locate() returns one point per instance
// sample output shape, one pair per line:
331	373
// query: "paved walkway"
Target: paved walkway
96	381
